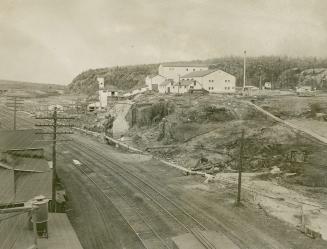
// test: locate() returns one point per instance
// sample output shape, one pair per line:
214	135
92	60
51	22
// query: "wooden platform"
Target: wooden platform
61	234
19	236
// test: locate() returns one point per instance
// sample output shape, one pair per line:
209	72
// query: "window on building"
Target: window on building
184	86
194	83
193	69
186	69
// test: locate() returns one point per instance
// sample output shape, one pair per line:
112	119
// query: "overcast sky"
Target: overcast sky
53	40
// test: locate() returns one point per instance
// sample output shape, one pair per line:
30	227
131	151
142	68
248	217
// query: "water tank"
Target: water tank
41	215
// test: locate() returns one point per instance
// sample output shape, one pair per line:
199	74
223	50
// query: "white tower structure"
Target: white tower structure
101	82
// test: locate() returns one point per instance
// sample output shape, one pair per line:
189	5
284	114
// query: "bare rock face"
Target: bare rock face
165	132
120	124
317	78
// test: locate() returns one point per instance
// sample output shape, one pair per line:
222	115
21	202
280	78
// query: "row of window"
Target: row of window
187	69
180	87
214	81
226	88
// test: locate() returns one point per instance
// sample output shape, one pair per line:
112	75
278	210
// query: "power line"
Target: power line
14	102
54	125
240	168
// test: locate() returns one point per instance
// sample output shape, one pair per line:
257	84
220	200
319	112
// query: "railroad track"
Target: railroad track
226	228
172	210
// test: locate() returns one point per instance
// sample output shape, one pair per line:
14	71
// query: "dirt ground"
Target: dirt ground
210	203
203	133
213	203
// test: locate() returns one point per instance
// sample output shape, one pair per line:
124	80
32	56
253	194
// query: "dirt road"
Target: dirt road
292	125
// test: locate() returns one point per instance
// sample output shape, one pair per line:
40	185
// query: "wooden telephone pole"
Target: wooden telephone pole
240	168
244	71
15	103
55	125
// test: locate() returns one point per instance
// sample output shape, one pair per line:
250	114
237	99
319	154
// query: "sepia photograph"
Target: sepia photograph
175	124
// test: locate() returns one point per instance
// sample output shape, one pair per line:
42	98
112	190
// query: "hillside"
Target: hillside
29	85
125	77
30	89
283	72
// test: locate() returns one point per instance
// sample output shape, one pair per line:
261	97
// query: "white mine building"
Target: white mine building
181	78
105	92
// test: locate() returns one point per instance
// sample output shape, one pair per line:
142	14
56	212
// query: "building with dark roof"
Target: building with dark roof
25	174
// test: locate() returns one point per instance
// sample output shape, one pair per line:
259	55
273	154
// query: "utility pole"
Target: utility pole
54	141
179	83
260	77
14	103
240	166
244	71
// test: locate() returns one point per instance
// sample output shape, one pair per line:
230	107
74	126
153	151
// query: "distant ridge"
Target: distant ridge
12	84
275	69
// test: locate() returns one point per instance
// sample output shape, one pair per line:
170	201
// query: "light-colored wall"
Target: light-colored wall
218	82
156	80
174	72
183	89
164	89
148	82
103	96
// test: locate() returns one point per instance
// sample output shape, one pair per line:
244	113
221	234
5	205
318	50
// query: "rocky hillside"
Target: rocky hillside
283	72
314	77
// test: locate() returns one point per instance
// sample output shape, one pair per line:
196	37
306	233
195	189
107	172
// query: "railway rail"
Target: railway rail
181	217
197	231
172	210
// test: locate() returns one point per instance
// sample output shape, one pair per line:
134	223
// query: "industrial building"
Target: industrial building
213	80
25	192
182	78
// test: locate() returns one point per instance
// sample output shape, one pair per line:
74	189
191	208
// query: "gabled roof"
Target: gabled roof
199	73
183	64
26	164
20	139
166	82
20	186
155	75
